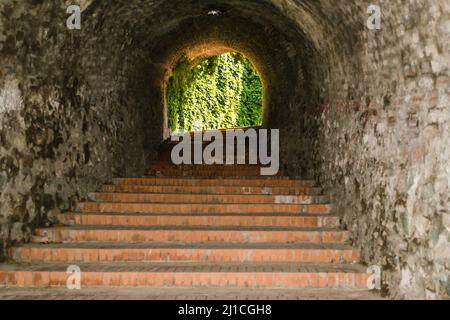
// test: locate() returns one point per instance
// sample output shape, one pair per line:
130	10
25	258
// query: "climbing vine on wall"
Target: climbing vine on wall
219	92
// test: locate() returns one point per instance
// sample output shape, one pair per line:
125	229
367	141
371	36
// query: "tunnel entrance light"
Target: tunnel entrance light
218	92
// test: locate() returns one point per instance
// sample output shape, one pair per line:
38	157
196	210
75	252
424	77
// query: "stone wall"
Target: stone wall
69	120
380	141
386	152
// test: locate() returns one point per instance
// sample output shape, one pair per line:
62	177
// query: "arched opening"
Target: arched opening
217	92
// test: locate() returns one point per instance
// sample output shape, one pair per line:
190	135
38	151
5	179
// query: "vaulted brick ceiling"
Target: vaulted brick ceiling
297	42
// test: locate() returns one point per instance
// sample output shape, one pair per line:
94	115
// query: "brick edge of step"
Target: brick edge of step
282	280
189	198
192	234
129	220
244	253
189	208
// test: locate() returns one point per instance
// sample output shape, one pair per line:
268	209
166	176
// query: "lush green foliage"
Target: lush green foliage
220	92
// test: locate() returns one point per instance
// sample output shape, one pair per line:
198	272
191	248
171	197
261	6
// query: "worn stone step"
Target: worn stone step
230	190
117	219
167	159
206	198
166	275
205	167
169	145
194	234
211	182
223	131
187	208
208	252
207	173
237	160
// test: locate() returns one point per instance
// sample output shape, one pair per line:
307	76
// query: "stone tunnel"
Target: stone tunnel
364	112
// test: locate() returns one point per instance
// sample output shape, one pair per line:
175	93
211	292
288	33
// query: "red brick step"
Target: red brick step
213	190
194	234
236	181
209	252
188	208
205	198
147	275
279	220
206	173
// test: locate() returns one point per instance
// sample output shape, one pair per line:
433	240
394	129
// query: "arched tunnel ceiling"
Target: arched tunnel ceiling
303	29
287	40
318	20
158	25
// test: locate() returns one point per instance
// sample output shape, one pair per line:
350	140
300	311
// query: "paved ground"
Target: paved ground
184	294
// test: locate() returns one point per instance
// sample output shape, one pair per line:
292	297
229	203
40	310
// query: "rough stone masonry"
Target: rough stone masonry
366	112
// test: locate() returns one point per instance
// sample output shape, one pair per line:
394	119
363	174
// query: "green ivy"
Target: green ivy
219	92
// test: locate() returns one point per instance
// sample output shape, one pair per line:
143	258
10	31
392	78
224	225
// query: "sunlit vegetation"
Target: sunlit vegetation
219	92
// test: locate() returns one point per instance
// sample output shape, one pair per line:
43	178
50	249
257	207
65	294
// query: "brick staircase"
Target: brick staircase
194	226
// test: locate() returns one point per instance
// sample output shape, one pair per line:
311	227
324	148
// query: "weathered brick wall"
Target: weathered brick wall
70	115
380	136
